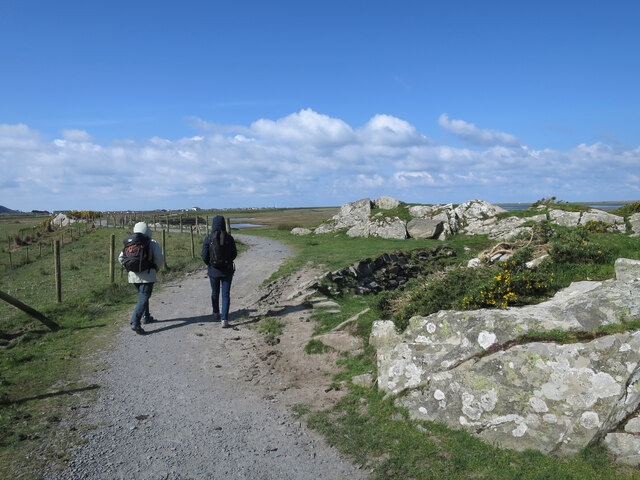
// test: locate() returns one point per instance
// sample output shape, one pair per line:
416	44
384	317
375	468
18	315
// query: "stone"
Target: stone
424	228
300	231
625	447
563	218
532	264
388	227
477	210
386	203
627	270
340	341
473	370
596	215
634	220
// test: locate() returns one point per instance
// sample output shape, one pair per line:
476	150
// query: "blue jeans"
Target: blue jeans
142	307
225	283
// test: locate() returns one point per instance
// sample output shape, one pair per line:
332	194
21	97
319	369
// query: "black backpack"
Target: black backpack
220	250
136	254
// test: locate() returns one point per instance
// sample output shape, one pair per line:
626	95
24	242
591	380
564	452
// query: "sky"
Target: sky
143	105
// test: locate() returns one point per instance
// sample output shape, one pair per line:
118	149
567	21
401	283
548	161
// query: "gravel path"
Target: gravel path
173	404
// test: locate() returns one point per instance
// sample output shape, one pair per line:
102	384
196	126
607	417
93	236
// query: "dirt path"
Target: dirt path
191	400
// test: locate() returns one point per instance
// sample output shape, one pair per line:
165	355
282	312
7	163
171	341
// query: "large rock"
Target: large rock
473	370
542	396
501	229
386	203
424	228
62	220
440	213
563	218
596	215
350	215
477	210
388	227
634	220
300	231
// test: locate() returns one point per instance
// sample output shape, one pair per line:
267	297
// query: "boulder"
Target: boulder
388	227
477	210
596	215
634	220
440	213
300	231
62	220
563	218
476	369
386	203
353	213
424	228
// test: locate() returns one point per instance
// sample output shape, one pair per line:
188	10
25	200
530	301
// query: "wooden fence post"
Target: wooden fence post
10	260
27	309
227	223
193	247
112	254
164	248
56	256
180	226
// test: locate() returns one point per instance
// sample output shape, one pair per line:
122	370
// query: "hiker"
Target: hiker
218	252
141	257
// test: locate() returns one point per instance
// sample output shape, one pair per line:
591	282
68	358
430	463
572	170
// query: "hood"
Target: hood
218	223
142	227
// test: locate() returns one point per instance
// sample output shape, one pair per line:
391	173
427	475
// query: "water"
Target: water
244	225
599	206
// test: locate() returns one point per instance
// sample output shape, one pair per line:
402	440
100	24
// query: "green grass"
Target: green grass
367	427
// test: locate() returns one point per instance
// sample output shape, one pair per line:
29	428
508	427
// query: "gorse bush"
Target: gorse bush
577	247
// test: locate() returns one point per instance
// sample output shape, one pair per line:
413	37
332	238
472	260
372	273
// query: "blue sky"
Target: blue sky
142	105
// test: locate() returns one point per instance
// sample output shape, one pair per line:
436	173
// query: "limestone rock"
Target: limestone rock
62	220
634	220
542	396
386	203
388	227
300	231
470	370
424	228
627	270
477	210
565	219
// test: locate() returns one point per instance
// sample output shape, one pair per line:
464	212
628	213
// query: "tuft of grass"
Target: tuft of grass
271	328
315	347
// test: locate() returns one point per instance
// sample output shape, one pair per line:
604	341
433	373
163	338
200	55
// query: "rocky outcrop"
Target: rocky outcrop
483	371
574	219
475	217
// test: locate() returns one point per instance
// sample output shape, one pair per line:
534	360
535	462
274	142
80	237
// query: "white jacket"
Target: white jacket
148	276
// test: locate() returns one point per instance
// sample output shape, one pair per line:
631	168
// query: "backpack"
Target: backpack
136	254
220	250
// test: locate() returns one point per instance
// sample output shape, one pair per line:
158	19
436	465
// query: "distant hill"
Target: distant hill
7	210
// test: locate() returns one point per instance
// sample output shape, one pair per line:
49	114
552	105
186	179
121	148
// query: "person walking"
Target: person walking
141	257
218	252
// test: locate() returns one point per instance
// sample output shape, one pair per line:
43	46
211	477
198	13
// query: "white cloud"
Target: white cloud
302	159
476	136
306	127
74	135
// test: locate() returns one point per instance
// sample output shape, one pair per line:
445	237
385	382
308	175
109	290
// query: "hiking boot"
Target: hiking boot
148	319
138	329
225	323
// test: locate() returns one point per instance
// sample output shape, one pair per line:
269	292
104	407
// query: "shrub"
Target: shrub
575	246
628	210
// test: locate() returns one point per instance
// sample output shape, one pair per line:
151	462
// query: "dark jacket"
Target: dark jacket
218	224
